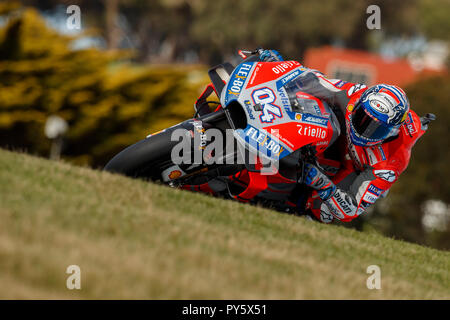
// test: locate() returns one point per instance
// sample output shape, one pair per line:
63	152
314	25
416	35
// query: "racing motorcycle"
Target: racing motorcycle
253	129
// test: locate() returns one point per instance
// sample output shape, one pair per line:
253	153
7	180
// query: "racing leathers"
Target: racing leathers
347	178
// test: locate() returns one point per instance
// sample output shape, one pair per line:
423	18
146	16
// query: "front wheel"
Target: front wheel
146	158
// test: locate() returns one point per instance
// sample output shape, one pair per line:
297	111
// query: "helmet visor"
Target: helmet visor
368	127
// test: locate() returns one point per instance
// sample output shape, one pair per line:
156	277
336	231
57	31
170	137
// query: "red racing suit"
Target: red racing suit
361	174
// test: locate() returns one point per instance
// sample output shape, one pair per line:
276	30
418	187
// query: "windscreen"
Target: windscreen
310	84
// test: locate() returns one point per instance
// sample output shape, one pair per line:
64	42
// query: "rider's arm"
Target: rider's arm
350	201
335	92
352	195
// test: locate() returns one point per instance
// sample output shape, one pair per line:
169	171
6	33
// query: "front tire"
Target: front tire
144	159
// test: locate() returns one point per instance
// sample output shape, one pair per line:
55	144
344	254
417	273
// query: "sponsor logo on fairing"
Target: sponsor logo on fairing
202	134
277	134
284	99
266	98
322	143
175	174
284	66
237	80
387	175
249	109
311	131
287	78
309	118
264	141
172	173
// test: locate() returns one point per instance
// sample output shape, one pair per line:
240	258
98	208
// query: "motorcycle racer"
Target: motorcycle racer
378	131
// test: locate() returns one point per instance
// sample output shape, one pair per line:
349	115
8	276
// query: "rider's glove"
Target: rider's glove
317	180
270	56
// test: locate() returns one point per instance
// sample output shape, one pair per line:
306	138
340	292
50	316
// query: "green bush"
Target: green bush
109	103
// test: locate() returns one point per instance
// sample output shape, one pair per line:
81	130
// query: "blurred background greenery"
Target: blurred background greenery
137	66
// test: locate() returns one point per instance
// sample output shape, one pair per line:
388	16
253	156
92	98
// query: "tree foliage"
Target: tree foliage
173	30
434	19
108	103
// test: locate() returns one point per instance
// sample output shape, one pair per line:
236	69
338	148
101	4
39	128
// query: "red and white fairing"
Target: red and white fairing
274	127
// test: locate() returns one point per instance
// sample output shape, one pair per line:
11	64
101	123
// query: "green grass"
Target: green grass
133	239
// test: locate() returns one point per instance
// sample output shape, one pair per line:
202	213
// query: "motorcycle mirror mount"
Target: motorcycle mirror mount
246	53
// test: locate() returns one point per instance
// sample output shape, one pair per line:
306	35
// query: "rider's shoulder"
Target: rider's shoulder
388	158
412	127
410	131
397	150
339	85
353	90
